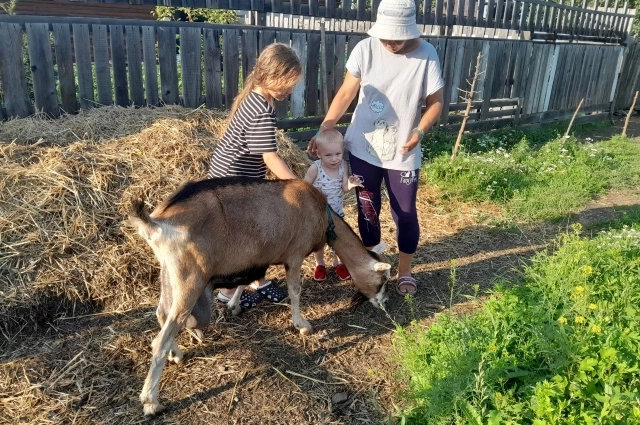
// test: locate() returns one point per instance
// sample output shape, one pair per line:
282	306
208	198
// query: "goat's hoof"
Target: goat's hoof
151	409
198	333
235	310
305	329
175	356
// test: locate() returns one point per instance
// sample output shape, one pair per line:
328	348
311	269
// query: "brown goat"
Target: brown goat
226	232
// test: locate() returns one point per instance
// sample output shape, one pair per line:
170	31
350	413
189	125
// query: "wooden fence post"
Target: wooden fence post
566	134
626	121
469	100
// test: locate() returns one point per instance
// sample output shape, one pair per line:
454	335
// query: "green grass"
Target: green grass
535	176
560	347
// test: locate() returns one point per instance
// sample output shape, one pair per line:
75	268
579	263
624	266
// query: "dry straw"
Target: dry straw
65	188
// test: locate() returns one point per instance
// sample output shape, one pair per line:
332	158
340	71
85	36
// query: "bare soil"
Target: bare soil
255	368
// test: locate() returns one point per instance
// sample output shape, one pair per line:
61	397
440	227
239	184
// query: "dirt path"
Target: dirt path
255	368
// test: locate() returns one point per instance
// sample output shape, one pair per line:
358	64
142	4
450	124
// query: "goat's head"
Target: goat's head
370	280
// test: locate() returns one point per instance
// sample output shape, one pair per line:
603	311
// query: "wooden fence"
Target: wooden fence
564	18
82	63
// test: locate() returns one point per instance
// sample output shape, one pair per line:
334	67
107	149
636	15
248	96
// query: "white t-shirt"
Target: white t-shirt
393	89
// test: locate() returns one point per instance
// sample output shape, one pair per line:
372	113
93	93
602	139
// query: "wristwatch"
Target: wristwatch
420	132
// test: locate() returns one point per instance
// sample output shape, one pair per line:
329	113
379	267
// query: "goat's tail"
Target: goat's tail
140	219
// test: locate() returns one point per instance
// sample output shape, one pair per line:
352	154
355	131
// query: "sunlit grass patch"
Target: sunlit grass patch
534	181
560	347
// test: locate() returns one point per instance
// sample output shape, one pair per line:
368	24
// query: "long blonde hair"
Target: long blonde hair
277	67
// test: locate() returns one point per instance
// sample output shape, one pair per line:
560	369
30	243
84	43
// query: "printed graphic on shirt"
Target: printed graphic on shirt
408	177
377	106
383	141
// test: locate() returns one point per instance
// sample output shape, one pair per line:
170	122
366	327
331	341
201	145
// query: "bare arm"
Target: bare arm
433	105
312	173
339	105
349	181
277	166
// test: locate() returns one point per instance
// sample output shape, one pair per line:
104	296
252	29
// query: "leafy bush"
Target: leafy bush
195	15
561	348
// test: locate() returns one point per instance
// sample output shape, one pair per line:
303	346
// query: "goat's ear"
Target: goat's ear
379	249
381	267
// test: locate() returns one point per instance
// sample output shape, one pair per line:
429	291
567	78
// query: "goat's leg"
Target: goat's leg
234	302
164	342
295	288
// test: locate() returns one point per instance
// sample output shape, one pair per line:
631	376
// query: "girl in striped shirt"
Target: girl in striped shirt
248	146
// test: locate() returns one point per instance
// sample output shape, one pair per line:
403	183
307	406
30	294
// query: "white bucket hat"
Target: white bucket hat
396	20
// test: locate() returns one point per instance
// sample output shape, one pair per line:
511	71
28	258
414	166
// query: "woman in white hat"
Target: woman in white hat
397	73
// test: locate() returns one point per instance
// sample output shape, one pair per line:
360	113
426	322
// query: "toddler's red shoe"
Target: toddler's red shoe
320	274
342	272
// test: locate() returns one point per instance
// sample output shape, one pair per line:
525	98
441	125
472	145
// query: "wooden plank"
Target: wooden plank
134	64
575	92
460	8
119	65
439	9
558	79
41	64
551	72
427	17
352	41
361	7
295	7
230	65
168	65
500	72
499	13
471	15
212	68
276	6
330	57
520	69
284	37
528	90
495	50
191	65
299	45
101	59
448	68
481	94
249	52
374	8
265	37
64	60
150	65
490	13
339	67
330	8
314	8
481	13
82	51
12	75
313	57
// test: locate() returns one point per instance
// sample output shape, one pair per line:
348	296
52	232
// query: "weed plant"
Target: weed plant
560	347
535	176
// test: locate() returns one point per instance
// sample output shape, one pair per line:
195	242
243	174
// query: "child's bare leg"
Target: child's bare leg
319	255
320	273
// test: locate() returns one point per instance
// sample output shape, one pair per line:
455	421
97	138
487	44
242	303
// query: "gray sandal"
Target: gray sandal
405	281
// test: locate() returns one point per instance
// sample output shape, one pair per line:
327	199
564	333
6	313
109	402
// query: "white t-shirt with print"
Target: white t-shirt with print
393	89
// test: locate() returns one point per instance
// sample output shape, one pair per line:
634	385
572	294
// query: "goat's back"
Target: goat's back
236	222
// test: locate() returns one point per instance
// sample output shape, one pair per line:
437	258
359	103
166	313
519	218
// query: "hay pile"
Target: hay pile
65	188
